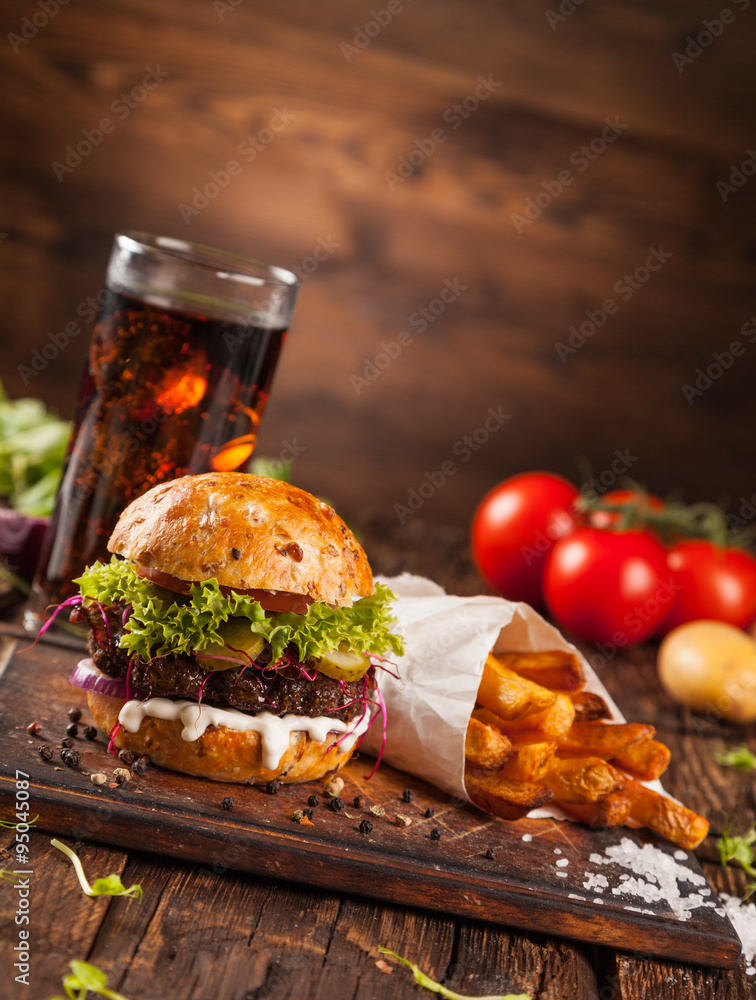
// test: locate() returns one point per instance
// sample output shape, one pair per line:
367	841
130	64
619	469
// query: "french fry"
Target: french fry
502	796
674	822
535	735
485	745
582	779
646	761
529	762
553	723
589	707
488	717
512	697
596	739
611	810
555	669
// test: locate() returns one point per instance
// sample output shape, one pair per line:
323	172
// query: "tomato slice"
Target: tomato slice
275	600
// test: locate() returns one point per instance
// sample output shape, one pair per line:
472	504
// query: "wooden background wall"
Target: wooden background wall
555	80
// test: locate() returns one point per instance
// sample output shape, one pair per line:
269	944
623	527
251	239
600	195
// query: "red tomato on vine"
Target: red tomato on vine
608	587
713	582
514	528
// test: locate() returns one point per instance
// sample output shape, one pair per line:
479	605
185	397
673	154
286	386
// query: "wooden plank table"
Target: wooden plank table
230	935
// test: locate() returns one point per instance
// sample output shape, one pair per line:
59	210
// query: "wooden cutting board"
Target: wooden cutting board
544	875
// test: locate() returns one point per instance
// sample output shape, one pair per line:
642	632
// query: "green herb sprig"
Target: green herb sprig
738	848
85	977
111	885
434	987
10	876
12	825
740	758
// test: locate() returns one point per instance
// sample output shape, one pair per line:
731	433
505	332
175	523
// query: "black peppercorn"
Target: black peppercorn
127	756
429	813
46	752
74	714
337	804
313	801
308	813
366	826
72	729
273	787
236	553
90	732
408	795
228	803
491	853
357	802
66	742
139	766
71	757
435	833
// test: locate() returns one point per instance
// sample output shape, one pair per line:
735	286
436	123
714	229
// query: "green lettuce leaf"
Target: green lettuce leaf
160	624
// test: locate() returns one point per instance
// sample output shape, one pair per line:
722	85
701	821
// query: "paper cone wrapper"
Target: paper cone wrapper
447	640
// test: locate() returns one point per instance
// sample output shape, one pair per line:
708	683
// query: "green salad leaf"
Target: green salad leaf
33	445
160	624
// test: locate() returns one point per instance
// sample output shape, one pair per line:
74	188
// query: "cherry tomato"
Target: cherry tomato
711	582
608	587
639	500
514	527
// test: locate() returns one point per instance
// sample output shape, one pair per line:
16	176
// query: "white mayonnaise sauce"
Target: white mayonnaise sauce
274	729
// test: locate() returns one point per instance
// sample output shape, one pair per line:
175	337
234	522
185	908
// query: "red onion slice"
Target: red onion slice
85	675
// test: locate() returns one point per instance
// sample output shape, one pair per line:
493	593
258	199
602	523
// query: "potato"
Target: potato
711	667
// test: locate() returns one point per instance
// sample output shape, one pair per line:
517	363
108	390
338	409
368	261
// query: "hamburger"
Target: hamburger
234	633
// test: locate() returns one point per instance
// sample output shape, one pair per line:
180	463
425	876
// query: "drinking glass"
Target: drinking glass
176	380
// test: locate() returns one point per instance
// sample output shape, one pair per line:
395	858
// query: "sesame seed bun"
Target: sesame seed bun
248	532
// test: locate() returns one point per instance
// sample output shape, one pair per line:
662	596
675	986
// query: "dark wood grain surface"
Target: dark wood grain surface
390	252
536	881
237	936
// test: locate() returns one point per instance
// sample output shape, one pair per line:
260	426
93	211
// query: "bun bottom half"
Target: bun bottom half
220	754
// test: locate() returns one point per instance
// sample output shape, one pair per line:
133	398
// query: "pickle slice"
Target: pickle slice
343	664
237	635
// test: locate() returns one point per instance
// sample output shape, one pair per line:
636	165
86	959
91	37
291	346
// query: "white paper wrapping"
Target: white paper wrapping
447	640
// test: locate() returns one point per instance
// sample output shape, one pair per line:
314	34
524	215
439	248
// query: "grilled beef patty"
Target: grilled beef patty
250	689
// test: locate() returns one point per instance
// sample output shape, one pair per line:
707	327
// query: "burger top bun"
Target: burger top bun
249	533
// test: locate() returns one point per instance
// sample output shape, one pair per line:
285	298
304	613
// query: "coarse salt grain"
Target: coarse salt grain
562	863
574	895
743	918
561	874
659	877
527	837
557	850
595	882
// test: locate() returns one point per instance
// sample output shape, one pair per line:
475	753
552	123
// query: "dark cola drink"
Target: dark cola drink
165	392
